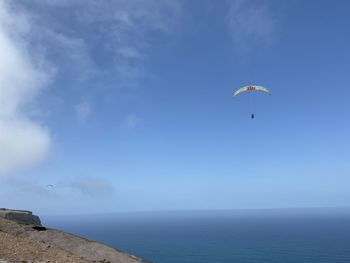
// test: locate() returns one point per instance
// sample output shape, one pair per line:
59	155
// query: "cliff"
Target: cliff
24	239
20	216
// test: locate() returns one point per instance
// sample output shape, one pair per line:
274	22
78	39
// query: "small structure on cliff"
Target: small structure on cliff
20	216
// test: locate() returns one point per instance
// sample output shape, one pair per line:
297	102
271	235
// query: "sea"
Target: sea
224	236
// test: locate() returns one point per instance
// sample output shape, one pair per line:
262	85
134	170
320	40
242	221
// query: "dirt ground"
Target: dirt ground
22	243
15	248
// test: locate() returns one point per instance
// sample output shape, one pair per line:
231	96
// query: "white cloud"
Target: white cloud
115	30
23	142
37	43
251	23
124	26
100	42
83	111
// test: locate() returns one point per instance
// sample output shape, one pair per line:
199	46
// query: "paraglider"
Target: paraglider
251	88
49	187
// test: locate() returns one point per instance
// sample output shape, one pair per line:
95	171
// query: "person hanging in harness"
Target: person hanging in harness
251	88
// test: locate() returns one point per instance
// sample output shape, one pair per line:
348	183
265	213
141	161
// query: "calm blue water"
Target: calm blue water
315	236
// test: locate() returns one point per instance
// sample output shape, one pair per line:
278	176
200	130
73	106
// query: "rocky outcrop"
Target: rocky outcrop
20	216
28	242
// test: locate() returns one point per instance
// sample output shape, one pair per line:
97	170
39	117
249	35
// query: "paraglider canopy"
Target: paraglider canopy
251	88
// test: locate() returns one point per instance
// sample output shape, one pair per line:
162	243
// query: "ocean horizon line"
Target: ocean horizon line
268	210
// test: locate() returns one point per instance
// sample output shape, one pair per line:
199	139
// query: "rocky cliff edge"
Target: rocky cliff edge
24	239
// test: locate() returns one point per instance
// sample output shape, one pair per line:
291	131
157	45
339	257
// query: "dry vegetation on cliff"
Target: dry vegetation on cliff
23	243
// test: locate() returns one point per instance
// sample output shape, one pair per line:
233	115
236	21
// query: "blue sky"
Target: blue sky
127	105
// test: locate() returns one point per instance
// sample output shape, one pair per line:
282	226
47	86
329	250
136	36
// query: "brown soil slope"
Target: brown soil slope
20	242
